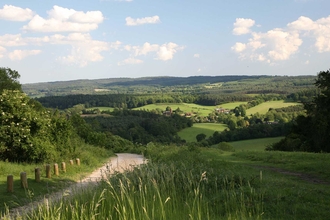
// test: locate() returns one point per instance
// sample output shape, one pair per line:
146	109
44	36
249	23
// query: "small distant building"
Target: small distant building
222	110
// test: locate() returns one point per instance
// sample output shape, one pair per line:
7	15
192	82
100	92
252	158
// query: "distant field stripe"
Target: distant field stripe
264	107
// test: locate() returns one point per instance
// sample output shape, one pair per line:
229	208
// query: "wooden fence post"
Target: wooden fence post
71	162
10	183
78	161
63	167
48	175
56	169
37	174
24	182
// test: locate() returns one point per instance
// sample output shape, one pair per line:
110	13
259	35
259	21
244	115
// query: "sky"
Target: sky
47	40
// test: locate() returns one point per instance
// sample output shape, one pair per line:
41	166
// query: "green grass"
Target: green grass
90	157
254	144
203	183
190	107
189	134
232	105
264	107
102	108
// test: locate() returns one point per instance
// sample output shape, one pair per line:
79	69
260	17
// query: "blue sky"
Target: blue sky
91	39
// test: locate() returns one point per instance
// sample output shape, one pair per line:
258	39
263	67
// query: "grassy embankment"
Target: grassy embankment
182	183
90	159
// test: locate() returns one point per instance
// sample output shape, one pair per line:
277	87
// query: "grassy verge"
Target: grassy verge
90	158
193	183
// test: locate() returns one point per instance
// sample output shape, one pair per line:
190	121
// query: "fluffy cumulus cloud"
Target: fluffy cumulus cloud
167	51
139	21
242	26
163	52
65	20
83	48
13	13
21	54
281	44
319	30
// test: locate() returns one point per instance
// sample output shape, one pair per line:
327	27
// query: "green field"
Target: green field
264	107
190	107
189	134
102	108
254	144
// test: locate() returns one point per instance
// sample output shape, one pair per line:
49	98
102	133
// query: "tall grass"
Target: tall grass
163	190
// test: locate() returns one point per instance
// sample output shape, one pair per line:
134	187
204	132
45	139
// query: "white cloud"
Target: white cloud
65	20
145	49
167	51
139	21
163	52
242	26
130	60
21	54
12	40
239	47
13	13
199	70
319	29
83	48
196	55
2	51
279	44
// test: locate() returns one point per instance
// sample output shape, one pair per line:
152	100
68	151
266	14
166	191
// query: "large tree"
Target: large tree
9	79
312	132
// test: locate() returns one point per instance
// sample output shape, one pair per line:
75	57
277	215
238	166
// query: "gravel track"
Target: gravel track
123	162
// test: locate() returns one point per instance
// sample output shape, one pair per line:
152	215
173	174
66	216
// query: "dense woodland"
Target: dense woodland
44	128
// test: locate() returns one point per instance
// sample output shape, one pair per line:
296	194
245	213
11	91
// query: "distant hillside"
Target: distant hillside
196	84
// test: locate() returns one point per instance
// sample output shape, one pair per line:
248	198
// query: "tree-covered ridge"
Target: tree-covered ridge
182	85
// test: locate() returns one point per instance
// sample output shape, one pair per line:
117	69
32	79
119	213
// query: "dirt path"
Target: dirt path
303	176
121	163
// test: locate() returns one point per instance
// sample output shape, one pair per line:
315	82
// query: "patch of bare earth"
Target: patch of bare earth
123	162
303	176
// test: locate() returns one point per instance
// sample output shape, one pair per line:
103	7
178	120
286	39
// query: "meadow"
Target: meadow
190	107
189	134
254	144
264	107
207	184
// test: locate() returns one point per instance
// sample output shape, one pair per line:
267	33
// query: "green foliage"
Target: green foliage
30	133
224	146
312	132
23	131
142	126
105	139
200	137
9	79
